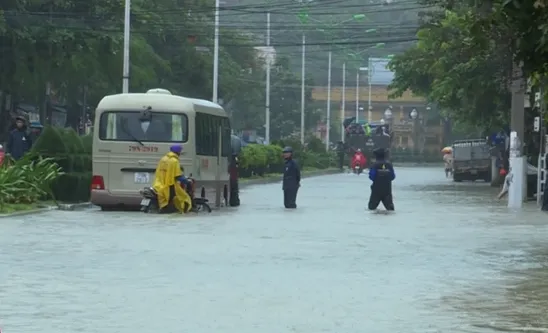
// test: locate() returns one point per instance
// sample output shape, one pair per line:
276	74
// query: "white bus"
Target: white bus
133	131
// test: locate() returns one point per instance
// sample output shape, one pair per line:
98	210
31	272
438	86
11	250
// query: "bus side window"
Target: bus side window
204	135
200	134
207	135
215	123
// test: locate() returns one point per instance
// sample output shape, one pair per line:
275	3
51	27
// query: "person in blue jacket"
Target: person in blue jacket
291	180
382	174
19	142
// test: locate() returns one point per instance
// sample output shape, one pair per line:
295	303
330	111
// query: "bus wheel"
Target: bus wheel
225	195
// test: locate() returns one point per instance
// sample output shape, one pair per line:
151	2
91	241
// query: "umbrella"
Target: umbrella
447	150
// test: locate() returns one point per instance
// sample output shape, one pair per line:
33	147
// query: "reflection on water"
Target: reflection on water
511	294
451	259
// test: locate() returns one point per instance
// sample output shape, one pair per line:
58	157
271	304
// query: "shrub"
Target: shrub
73	153
52	144
28	179
258	159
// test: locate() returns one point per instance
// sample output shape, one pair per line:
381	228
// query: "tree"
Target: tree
71	44
461	63
285	110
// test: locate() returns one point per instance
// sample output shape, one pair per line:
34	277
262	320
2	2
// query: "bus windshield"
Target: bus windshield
128	126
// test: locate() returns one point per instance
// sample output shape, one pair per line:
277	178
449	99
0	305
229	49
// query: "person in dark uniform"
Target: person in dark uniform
19	142
291	180
236	144
382	174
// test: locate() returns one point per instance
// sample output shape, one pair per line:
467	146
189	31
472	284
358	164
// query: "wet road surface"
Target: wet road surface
451	259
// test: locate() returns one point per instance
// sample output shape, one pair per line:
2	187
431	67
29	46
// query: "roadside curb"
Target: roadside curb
278	178
75	206
63	207
28	212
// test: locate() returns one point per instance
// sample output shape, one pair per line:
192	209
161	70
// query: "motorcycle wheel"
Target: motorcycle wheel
152	208
203	207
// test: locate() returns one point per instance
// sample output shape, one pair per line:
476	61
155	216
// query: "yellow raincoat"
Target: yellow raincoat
167	171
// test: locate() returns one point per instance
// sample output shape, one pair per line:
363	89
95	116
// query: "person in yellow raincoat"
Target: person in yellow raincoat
171	195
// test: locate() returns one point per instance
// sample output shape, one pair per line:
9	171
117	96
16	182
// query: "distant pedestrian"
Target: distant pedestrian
508	178
340	154
448	161
382	174
291	180
19	142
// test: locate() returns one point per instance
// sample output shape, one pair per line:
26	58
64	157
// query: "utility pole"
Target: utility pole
127	28
215	98
518	188
328	122
343	100
369	77
539	126
357	95
303	81
267	103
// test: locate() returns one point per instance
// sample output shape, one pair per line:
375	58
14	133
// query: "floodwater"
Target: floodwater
451	259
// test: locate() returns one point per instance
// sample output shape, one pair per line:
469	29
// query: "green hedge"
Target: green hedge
73	154
256	159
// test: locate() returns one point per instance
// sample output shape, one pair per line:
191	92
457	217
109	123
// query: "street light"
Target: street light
127	28
360	69
216	54
414	114
370	64
388	113
267	93
305	17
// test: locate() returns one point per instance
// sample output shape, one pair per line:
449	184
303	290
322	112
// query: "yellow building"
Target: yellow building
431	129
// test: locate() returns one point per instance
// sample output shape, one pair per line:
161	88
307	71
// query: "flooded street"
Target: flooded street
451	259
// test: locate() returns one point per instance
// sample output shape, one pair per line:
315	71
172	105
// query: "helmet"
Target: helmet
288	149
359	150
177	149
23	119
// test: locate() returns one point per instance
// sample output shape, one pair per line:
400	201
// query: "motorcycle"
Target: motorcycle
358	170
149	203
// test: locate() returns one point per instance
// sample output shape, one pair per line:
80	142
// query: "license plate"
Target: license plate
474	172
145	202
142	178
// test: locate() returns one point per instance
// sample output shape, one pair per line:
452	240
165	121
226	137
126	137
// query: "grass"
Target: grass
13	208
20	207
